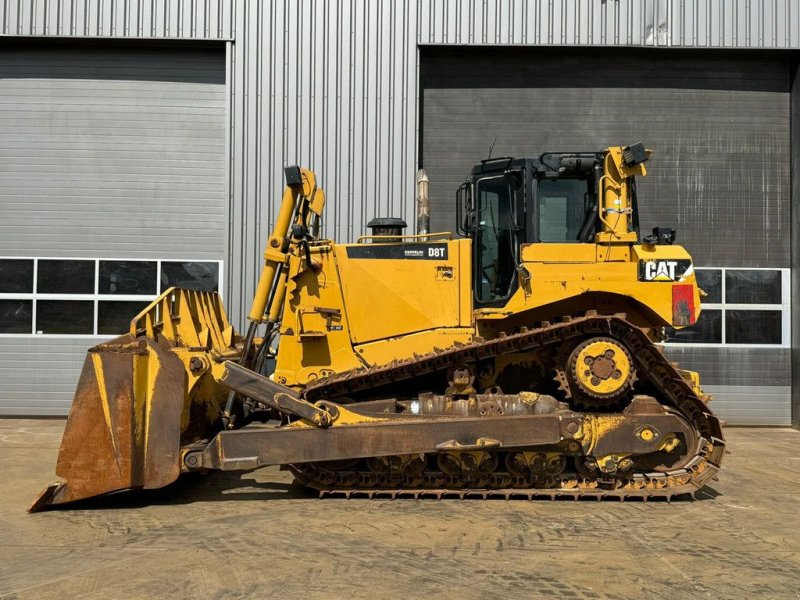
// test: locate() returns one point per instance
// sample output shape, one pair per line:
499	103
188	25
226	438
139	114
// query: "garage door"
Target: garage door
112	186
719	125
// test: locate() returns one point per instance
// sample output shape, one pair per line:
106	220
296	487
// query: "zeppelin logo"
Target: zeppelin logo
664	270
414	253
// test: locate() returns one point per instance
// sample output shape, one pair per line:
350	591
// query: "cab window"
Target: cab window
564	205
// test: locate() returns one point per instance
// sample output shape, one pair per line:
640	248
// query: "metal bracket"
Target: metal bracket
279	397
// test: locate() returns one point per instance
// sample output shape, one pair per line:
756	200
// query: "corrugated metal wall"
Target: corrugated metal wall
331	86
702	23
183	19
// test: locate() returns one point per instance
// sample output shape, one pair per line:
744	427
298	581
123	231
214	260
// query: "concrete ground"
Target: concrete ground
256	536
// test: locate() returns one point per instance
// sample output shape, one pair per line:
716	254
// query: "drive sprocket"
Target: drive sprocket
598	373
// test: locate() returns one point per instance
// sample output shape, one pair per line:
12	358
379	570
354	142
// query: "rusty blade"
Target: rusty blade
124	427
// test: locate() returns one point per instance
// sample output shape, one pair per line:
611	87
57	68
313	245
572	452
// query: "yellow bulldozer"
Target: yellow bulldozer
517	357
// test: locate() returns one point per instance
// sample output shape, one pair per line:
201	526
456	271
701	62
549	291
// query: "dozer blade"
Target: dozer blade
142	396
124	428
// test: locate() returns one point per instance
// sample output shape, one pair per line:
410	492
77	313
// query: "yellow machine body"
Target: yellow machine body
169	395
356	312
356	306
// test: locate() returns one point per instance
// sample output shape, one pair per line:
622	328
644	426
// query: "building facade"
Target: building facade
144	141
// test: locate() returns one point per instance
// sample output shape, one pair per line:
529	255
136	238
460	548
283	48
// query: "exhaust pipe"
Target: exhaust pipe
423	204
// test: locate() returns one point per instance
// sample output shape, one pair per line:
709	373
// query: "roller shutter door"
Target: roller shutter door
718	122
107	151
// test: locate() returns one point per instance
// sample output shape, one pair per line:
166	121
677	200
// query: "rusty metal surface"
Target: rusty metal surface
124	428
645	480
278	397
142	395
610	454
282	445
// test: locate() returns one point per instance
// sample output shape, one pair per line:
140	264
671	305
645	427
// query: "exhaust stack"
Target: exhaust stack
423	204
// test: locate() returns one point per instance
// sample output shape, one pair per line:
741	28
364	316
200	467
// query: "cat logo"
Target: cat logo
664	270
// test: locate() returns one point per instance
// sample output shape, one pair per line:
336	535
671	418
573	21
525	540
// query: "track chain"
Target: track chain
651	364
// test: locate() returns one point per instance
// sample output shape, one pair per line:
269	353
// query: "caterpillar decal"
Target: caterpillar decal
664	270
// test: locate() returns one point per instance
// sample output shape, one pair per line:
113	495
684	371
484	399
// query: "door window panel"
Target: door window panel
114	316
495	240
201	276
65	316
16	276
752	287
65	277
16	316
128	277
710	281
96	297
753	326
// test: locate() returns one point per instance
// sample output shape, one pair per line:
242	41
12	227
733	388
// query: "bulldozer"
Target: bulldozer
519	356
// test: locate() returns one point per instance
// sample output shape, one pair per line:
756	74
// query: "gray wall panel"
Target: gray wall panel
182	19
719	126
736	366
669	23
40	375
106	152
112	152
742	405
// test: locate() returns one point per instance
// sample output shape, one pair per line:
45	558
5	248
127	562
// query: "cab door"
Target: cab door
496	236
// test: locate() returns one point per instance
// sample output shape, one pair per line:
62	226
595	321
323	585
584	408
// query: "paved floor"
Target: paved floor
256	536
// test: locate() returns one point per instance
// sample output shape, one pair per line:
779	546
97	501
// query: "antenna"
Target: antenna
492	147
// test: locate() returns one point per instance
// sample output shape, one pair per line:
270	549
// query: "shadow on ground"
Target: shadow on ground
219	486
191	488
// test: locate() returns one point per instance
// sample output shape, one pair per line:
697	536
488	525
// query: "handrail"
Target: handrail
447	235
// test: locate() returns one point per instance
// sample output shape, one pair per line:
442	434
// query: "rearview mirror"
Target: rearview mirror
465	211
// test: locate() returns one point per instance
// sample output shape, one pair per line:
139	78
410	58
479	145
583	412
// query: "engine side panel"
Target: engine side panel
396	289
314	338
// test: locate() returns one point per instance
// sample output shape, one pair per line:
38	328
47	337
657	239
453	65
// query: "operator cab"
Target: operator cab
507	202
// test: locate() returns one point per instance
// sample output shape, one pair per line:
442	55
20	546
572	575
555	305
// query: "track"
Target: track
652	367
501	484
